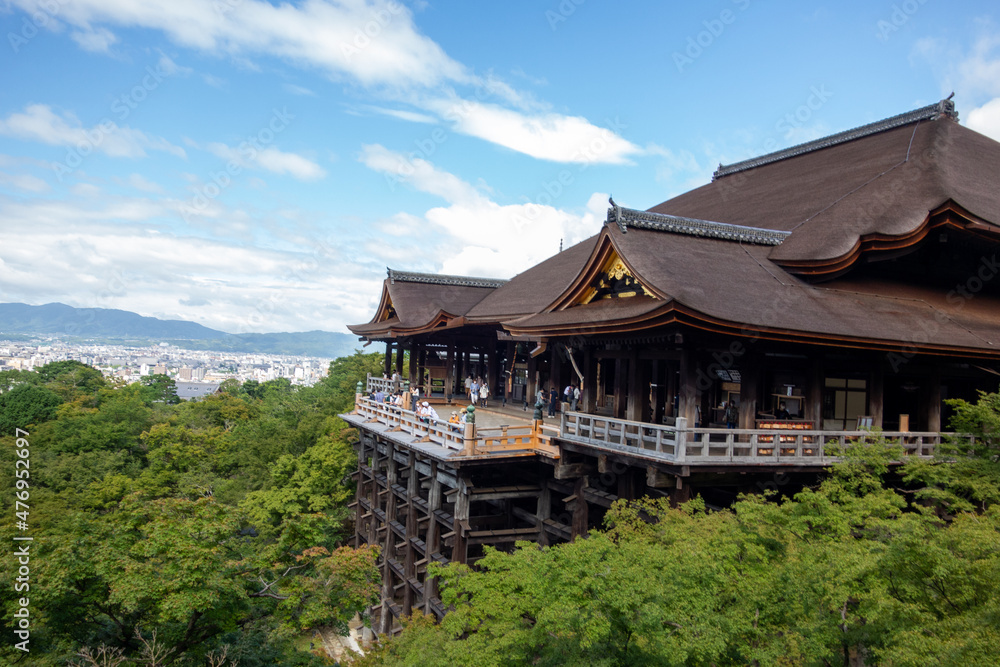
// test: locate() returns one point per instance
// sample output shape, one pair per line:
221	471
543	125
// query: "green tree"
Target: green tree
26	404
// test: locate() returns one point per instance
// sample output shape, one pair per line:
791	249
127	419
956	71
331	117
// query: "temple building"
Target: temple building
800	296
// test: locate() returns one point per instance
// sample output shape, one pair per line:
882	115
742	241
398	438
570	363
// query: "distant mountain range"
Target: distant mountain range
61	320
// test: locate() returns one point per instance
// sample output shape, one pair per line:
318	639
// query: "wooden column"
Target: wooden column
460	553
688	390
876	397
532	386
450	370
750	370
493	375
411	371
433	544
580	509
409	567
387	362
588	395
637	397
399	358
813	408
421	369
555	366
933	406
543	511
508	374
621	387
672	375
388	576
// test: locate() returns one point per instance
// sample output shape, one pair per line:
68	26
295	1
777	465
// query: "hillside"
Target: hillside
19	319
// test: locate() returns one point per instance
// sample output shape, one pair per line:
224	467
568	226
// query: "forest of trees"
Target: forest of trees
219	525
214	523
869	567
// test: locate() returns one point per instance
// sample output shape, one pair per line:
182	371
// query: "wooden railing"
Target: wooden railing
683	445
384	385
508	439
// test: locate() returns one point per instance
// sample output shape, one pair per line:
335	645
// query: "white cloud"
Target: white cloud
139	182
114	252
299	90
411	116
419	173
97	40
986	119
39	123
25	182
545	136
477	236
270	159
372	41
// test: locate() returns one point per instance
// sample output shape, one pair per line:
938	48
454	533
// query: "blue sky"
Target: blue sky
255	166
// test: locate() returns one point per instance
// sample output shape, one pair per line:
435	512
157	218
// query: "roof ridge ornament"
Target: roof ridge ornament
615	214
944	108
441	279
661	222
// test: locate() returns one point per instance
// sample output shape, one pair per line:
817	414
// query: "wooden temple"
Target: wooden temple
845	283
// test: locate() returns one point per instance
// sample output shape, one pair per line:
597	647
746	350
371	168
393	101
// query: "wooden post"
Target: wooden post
421	369
749	389
388	576
532	387
409	568
412	366
637	398
460	553
588	395
933	407
877	395
433	544
387	363
555	370
813	408
399	358
580	509
450	379
543	511
688	390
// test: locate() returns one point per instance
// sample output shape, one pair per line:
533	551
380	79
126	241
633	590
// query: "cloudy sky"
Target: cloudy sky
256	166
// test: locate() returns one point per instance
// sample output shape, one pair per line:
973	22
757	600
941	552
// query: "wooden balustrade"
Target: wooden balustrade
382	384
692	446
452	436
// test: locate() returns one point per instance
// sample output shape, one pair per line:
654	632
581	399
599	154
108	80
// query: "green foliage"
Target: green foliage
160	388
213	522
845	571
346	372
25	405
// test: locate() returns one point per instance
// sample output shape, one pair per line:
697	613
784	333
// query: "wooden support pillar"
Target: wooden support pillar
813	408
388	576
637	407
621	387
433	540
449	382
411	371
399	358
543	511
589	392
409	567
688	389
876	396
555	370
421	369
532	387
580	509
387	362
671	379
750	371
492	370
460	553
508	374
933	407
658	390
